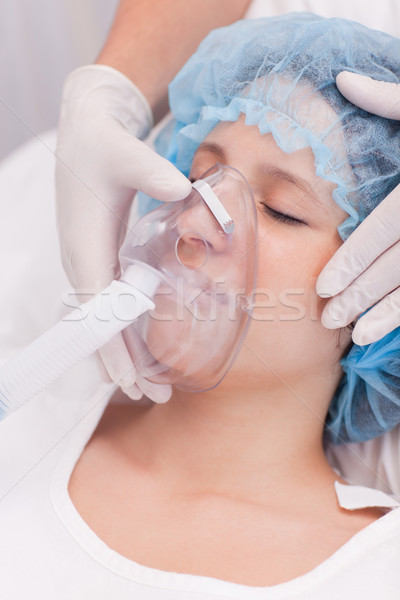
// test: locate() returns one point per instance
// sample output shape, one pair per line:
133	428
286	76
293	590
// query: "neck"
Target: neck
232	439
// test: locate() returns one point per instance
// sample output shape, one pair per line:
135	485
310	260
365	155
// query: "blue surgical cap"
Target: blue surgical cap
280	73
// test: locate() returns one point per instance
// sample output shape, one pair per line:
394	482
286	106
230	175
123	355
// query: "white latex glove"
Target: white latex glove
365	271
101	162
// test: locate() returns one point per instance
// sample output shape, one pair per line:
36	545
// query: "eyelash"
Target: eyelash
282	217
275	214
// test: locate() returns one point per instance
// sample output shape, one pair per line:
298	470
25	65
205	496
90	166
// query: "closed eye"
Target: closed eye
282	217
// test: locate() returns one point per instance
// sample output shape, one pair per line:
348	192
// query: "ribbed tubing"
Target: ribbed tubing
77	336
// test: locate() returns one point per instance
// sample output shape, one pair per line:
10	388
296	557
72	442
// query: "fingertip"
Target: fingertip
347	82
161	396
378	97
370	328
139	167
329	318
327	322
343	77
323	290
159	393
133	392
169	189
324	285
331	280
361	337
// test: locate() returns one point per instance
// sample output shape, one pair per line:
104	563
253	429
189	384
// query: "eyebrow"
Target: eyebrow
265	169
215	149
299	182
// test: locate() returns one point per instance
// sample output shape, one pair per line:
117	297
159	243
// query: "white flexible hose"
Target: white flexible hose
78	335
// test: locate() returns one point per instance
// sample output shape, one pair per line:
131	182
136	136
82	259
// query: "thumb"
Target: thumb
140	168
381	98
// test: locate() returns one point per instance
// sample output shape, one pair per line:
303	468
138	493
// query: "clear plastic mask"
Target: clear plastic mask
204	269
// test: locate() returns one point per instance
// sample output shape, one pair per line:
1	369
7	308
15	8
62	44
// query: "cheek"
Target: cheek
289	266
286	324
294	260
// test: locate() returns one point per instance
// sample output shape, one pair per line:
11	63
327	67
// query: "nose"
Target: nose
191	250
198	228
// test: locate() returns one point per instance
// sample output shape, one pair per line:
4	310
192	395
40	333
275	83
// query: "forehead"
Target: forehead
256	155
247	145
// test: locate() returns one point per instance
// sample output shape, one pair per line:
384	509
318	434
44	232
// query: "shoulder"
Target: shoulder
111	444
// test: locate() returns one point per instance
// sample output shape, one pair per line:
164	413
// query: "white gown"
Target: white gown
48	552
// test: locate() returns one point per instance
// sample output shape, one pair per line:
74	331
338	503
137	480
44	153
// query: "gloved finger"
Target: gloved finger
382	277
119	366
134	392
159	393
379	321
93	262
377	97
101	367
137	166
378	232
91	223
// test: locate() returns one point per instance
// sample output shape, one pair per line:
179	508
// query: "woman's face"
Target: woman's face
297	234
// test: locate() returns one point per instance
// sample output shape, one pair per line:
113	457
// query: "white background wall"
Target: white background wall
41	41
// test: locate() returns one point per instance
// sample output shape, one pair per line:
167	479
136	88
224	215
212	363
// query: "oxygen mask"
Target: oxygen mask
202	253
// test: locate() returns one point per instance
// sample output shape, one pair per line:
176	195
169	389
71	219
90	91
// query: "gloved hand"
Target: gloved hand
365	271
101	162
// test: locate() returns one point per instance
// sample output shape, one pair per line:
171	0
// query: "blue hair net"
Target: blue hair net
277	72
367	401
280	73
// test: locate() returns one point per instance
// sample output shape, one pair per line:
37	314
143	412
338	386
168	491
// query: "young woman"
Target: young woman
229	493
